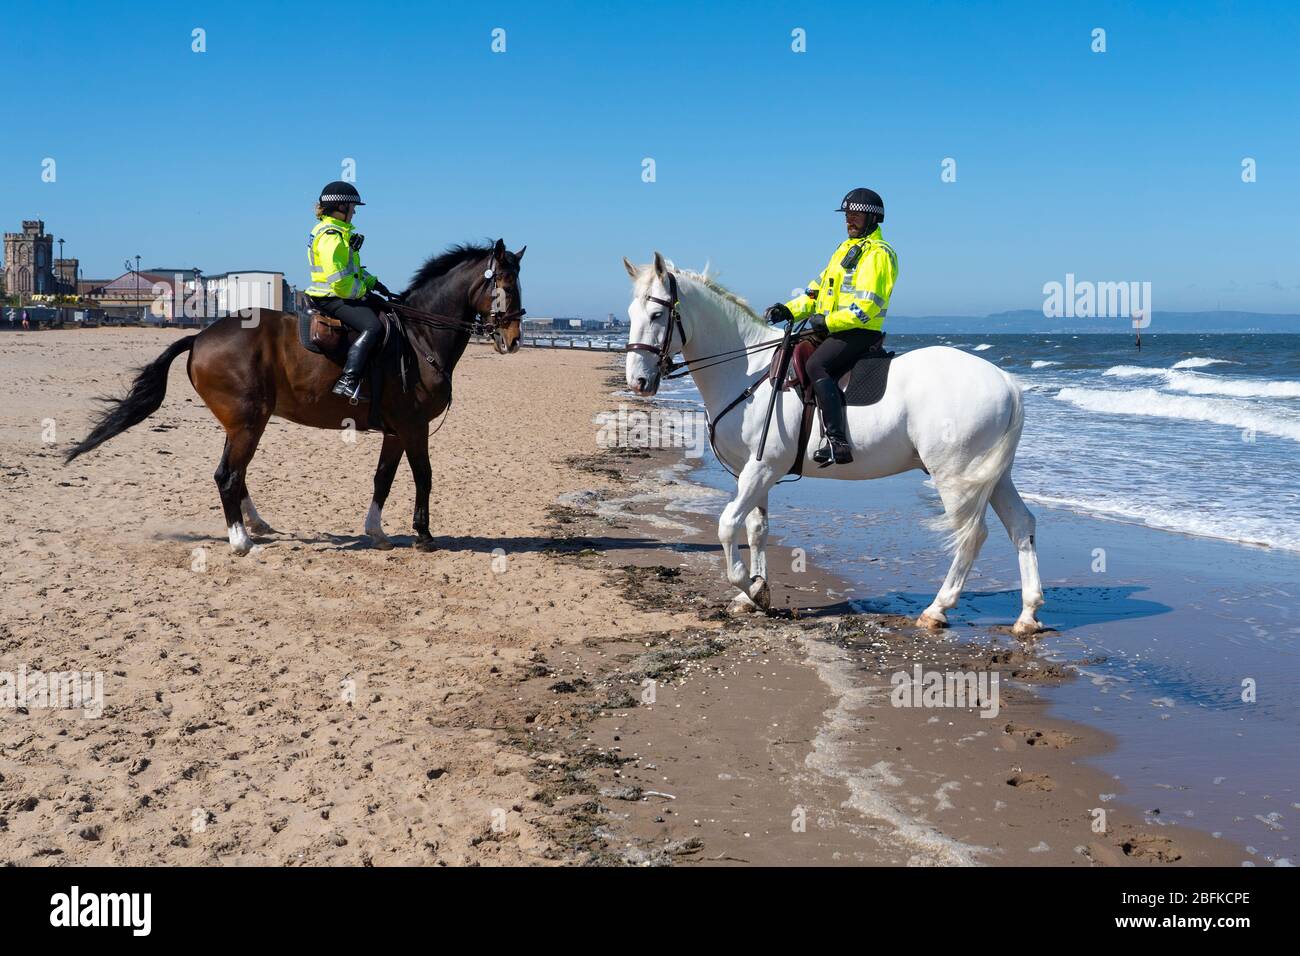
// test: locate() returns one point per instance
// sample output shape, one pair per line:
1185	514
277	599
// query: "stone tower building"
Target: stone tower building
29	260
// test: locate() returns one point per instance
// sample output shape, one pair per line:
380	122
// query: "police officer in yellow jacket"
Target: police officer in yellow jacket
340	287
846	306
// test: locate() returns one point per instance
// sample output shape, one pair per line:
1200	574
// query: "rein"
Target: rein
477	326
668	369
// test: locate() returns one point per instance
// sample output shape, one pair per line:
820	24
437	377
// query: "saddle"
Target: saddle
864	384
328	336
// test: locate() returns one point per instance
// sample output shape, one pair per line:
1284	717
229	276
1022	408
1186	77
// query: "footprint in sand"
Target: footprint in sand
1136	847
1053	739
1145	846
1031	782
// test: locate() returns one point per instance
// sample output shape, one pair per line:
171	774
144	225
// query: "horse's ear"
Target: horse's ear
660	269
631	269
499	249
520	254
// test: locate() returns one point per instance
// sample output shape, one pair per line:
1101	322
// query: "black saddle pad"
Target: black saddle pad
868	379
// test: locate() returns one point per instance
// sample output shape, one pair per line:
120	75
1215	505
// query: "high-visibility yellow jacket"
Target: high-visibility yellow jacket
335	265
856	298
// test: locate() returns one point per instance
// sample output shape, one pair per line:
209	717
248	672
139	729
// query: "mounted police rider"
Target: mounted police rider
846	306
340	287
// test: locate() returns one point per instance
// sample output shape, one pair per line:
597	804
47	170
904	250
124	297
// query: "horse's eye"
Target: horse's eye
656	316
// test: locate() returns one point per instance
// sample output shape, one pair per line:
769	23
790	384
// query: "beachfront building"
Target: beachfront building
30	266
147	295
244	290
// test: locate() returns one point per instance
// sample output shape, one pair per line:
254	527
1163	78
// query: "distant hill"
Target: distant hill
1031	320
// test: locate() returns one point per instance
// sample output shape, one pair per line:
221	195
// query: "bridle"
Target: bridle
495	317
666	366
483	323
670	369
664	352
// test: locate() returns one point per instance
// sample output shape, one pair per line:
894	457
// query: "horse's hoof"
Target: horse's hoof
424	544
742	603
760	594
240	542
1024	628
930	622
379	542
261	528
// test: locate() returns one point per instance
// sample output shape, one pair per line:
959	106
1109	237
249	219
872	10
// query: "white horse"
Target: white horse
944	411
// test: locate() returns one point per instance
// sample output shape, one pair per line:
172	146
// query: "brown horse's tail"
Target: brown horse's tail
146	396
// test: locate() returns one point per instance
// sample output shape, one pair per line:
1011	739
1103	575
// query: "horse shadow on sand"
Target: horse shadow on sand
452	544
1065	607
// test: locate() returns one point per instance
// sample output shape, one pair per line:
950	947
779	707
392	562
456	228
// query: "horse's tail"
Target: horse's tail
974	486
146	396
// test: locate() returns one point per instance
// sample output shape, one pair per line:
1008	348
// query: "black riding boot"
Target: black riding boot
831	402
349	383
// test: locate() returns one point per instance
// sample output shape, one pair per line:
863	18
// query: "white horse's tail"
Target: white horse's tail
973	487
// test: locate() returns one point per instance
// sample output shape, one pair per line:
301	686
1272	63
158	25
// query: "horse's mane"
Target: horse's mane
443	263
731	302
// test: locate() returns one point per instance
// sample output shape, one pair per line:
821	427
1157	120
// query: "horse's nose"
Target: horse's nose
640	385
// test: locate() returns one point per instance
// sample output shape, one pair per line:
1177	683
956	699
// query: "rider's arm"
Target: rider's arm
368	281
873	282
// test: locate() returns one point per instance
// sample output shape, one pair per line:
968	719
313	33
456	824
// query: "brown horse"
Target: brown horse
248	369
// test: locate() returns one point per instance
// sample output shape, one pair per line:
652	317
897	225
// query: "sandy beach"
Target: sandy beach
558	682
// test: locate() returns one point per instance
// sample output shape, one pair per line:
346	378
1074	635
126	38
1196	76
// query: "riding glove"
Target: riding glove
382	289
818	323
778	313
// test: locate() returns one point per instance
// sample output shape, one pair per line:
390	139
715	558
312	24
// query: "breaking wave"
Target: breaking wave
1156	404
1201	362
1199	383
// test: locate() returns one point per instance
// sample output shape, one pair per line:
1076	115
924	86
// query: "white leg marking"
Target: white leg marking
375	527
240	542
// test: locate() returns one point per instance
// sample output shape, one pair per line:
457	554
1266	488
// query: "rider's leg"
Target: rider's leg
835	356
357	315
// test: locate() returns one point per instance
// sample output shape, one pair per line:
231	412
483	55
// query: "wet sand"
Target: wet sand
322	702
782	746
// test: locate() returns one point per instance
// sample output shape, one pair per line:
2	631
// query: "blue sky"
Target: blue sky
1116	166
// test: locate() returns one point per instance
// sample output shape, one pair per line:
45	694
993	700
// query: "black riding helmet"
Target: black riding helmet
863	200
339	192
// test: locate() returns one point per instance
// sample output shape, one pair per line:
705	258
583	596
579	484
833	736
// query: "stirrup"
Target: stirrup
349	390
838	452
